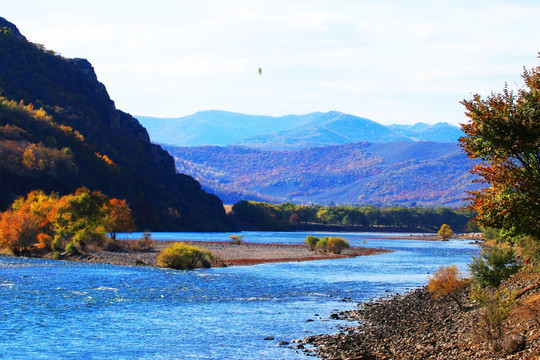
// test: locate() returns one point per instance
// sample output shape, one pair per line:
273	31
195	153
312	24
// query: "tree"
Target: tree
504	134
494	265
311	241
445	232
118	217
447	282
337	244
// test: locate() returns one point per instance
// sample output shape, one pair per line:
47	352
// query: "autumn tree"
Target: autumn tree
503	132
445	232
118	217
447	282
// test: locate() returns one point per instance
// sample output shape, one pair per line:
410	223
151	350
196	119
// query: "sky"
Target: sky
392	61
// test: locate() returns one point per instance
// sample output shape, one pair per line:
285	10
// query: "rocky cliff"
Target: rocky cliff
115	154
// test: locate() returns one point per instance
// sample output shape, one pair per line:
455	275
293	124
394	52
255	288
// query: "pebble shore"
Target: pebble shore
417	326
227	253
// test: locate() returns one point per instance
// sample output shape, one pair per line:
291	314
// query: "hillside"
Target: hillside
424	173
59	130
287	132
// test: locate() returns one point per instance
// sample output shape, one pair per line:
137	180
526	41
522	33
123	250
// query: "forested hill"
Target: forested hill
60	130
404	173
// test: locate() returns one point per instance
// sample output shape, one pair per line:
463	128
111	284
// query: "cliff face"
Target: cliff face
134	168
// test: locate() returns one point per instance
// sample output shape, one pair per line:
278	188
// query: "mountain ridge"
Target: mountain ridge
222	128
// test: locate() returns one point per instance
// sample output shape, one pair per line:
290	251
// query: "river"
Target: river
63	310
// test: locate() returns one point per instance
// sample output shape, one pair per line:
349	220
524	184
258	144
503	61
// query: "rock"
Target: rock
283	343
512	344
269	338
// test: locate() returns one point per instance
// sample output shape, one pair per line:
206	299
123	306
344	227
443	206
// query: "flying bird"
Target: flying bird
260	71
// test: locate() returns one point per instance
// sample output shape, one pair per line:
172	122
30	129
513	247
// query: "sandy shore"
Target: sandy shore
227	253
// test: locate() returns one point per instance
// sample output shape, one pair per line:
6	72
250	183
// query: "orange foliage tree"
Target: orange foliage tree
118	217
504	133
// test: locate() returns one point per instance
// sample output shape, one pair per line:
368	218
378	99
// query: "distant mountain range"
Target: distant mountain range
287	132
399	172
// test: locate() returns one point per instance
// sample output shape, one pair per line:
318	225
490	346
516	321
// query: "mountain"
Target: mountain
287	132
59	130
332	128
214	127
401	172
440	132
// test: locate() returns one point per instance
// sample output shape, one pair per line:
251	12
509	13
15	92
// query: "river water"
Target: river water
62	310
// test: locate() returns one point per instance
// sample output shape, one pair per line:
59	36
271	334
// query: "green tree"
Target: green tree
311	241
445	232
504	133
494	265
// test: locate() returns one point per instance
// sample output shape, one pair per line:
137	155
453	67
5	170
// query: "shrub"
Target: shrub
322	244
144	243
311	241
493	266
183	256
18	232
495	310
445	232
236	239
447	282
337	245
490	233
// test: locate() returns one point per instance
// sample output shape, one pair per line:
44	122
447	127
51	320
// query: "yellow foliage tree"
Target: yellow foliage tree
447	282
445	232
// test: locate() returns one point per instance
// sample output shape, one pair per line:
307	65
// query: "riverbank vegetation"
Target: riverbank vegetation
39	223
184	256
253	215
499	305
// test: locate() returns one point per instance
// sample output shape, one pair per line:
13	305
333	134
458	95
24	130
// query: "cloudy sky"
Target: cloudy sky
392	61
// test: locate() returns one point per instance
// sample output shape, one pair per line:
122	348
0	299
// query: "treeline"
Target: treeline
285	217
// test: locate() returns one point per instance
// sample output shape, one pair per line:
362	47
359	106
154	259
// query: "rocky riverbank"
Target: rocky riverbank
417	326
226	253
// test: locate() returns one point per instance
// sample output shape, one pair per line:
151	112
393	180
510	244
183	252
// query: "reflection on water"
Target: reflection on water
54	309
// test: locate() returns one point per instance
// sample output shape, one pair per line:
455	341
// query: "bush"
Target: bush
183	256
495	310
447	282
492	234
236	239
144	243
337	245
311	241
493	266
322	244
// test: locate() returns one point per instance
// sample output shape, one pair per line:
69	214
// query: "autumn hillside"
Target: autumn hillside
59	130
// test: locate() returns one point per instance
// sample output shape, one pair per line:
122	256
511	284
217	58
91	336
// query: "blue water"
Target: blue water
62	310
